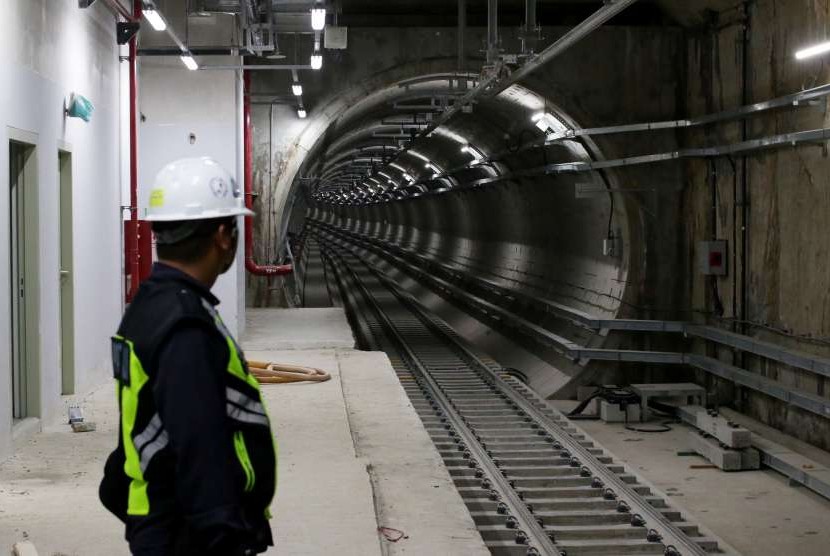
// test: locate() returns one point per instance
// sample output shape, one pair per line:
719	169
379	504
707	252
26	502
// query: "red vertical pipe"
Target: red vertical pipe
250	264
134	253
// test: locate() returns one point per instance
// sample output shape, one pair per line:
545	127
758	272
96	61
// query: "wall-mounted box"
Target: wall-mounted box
336	38
713	257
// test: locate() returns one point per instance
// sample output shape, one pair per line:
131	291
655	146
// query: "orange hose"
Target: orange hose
275	373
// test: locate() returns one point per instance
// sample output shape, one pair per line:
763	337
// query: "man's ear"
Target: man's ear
224	237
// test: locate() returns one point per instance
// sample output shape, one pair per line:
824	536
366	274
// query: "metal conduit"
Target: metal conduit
755	145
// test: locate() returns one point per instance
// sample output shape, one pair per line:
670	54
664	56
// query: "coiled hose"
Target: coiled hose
277	373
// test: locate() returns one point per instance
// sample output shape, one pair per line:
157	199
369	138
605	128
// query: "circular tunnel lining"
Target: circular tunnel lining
469	198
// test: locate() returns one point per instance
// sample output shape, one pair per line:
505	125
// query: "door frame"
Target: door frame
31	256
66	259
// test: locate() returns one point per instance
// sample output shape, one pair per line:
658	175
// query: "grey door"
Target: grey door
17	206
67	274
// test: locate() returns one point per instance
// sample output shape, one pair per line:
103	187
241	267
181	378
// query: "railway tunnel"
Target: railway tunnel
519	277
484	199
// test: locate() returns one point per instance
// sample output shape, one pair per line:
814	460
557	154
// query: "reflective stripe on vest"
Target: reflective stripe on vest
241	408
138	503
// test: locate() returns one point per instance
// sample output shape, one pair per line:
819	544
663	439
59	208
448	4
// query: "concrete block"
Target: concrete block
709	448
750	459
726	432
613	413
728	459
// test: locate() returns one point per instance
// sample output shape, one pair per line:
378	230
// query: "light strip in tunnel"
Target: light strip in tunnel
474	152
813	51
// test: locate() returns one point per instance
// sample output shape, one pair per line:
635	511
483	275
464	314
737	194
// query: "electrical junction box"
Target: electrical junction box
337	38
713	257
612	245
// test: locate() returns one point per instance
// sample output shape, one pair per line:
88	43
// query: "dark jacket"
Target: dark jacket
199	473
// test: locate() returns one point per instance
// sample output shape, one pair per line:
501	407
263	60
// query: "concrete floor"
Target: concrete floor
353	457
757	512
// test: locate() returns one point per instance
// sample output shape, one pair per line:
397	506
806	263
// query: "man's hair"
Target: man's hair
196	240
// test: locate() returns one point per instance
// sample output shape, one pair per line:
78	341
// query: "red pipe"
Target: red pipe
134	255
119	9
250	264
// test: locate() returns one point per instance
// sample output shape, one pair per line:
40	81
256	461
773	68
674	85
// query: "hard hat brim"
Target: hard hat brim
183	217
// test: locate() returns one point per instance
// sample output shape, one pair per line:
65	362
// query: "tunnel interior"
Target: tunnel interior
585	191
502	192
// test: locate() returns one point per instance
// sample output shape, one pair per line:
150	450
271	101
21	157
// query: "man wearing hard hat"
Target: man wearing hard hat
194	472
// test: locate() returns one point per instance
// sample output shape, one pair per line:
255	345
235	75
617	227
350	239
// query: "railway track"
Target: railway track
533	483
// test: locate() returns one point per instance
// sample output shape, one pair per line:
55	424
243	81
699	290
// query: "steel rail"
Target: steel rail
671	534
537	536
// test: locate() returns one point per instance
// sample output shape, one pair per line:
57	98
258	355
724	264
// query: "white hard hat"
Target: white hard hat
194	189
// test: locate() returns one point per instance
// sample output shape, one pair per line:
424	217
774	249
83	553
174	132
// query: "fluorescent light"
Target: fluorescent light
474	152
302	114
318	19
297	89
188	61
154	18
813	51
316	61
416	154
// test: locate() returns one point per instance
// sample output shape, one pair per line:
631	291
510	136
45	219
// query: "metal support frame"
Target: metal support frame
739	149
804	98
793	396
257	67
572	37
530	33
462	31
492	31
494	84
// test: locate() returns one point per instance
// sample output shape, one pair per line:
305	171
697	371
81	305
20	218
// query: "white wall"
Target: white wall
48	49
175	102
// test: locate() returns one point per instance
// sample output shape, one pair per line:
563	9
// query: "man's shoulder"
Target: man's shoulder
162	306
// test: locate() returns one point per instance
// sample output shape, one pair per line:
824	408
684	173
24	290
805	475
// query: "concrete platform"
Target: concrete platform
756	512
354	457
269	329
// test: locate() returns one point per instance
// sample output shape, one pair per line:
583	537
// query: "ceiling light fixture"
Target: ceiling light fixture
189	61
302	114
318	19
297	89
316	60
155	19
813	51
